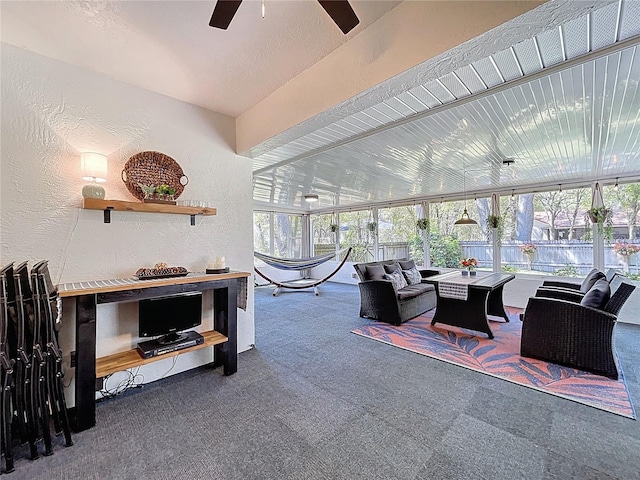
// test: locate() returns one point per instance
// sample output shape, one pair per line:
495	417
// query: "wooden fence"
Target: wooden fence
364	253
549	256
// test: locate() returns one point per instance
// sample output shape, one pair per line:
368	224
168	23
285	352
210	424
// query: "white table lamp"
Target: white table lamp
94	169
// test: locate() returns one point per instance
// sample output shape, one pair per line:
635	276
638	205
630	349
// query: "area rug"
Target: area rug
501	358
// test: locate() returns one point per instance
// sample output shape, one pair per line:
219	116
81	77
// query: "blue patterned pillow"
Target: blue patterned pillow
397	278
412	275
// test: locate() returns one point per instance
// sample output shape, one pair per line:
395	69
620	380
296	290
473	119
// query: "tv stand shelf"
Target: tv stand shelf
131	358
87	295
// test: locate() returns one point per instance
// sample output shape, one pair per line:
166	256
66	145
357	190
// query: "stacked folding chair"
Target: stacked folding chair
32	378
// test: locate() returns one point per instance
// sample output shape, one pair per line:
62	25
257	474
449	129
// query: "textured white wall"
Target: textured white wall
50	113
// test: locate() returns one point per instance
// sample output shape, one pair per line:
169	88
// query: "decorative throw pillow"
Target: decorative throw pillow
412	275
392	267
588	282
397	279
375	272
598	295
407	264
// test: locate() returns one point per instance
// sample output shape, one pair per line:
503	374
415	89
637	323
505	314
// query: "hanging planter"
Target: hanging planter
600	215
493	221
423	225
334	228
372	227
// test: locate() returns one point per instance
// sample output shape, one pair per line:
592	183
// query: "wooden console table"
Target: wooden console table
89	294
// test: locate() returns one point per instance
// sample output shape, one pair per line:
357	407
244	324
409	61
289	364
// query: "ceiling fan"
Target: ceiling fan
339	10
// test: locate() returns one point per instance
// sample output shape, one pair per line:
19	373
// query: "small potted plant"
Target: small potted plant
372	227
159	194
626	250
334	228
470	264
529	249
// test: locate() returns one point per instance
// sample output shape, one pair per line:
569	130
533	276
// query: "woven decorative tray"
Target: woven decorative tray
152	273
153	168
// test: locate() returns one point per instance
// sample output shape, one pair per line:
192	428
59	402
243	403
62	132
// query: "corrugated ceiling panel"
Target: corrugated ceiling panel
581	123
487	71
400	107
425	96
378	115
551	48
630	19
455	86
390	112
576	37
336	132
350	126
604	26
528	56
367	120
471	79
507	64
439	91
410	100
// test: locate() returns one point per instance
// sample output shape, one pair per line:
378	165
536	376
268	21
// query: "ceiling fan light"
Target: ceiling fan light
465	219
311	197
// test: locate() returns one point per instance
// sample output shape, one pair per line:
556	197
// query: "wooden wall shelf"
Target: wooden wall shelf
131	358
121	205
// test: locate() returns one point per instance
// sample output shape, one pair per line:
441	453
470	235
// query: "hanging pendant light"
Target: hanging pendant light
465	219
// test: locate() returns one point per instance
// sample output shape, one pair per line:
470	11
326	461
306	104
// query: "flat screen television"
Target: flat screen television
166	317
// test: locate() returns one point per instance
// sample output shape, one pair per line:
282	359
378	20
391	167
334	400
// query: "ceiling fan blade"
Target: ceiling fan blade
223	13
341	13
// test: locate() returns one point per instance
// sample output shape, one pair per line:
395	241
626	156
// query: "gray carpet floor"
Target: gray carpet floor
313	401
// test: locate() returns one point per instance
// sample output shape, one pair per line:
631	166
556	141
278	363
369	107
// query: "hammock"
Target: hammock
299	264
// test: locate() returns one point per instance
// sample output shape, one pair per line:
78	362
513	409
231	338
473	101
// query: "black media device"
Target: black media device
166	318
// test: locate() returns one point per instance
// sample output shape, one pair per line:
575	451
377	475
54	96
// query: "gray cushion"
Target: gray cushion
598	295
588	282
412	275
375	272
407	264
397	279
411	291
392	267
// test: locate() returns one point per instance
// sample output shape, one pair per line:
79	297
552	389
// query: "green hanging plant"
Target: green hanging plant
495	222
602	217
423	224
334	228
372	227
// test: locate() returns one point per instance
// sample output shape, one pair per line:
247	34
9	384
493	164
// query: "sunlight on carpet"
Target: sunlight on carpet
501	358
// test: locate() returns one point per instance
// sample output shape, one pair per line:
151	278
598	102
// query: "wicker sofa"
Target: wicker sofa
380	301
572	333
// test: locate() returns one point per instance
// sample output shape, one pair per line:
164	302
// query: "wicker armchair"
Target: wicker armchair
567	333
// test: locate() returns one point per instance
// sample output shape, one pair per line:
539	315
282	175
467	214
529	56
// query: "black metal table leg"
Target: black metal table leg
495	305
85	409
225	322
470	313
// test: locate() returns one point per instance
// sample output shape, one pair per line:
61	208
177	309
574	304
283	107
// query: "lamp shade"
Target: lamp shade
94	167
311	197
465	219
